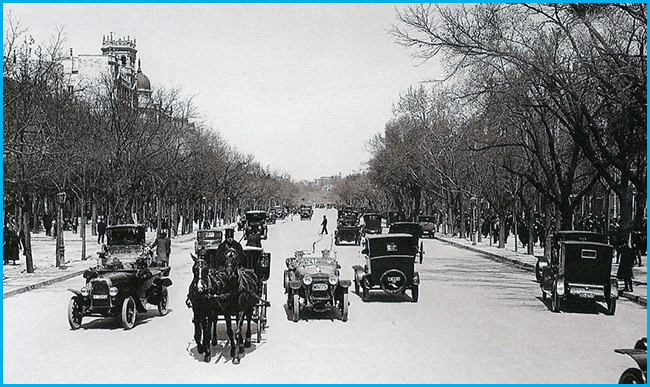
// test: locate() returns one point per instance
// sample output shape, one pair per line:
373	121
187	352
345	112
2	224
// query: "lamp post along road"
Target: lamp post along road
60	243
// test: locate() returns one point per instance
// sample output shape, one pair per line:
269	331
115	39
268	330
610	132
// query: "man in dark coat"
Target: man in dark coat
163	249
101	230
324	224
626	264
219	259
9	245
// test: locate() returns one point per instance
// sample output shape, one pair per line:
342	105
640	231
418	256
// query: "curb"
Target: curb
41	284
528	267
495	257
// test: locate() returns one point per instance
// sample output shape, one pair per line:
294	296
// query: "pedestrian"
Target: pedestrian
324	224
101	230
54	228
10	246
47	224
626	264
163	248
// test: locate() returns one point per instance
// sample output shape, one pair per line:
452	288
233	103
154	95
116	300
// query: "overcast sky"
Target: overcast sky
302	87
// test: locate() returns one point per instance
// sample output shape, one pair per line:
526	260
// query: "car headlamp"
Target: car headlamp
307	280
333	280
113	291
84	291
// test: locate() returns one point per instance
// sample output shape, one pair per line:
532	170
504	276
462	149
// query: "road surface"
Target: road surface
477	321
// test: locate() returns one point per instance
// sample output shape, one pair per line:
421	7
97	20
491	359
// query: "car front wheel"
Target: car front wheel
75	313
415	293
296	307
129	314
162	303
631	376
555	301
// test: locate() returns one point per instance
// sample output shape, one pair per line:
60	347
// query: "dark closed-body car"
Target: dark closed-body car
390	266
306	212
312	282
256	224
580	268
427	224
205	239
372	223
413	229
125	280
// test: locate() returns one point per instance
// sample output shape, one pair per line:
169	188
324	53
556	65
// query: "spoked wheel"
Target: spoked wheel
263	311
296	307
631	376
344	307
162	303
415	293
129	313
75	313
259	324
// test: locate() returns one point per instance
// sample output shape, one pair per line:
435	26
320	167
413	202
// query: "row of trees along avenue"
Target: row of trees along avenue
109	157
543	105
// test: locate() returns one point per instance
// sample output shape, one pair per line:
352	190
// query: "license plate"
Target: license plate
586	295
100	296
320	287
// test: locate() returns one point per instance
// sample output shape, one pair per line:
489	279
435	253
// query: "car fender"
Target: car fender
295	285
416	278
345	283
76	292
358	270
163	281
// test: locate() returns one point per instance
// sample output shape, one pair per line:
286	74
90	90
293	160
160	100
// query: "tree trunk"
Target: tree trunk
27	239
93	221
531	231
82	228
502	229
462	218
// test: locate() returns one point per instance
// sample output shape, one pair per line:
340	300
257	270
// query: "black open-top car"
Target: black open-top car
390	265
124	281
348	228
312	282
256	224
580	268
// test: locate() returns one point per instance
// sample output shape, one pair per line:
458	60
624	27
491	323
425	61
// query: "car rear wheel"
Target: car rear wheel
415	293
129	314
75	314
344	307
162	303
364	293
631	376
296	307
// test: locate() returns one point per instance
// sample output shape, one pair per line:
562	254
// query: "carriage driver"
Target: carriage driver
219	259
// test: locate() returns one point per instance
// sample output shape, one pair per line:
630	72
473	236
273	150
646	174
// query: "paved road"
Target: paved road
477	321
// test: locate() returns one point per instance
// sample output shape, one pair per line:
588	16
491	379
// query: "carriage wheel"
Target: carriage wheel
344	307
631	376
263	311
296	307
162	304
129	314
75	314
415	293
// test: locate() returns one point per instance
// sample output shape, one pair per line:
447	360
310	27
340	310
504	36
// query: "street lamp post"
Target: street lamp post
60	243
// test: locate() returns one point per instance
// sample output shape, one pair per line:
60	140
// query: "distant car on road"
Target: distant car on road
256	224
348	228
580	268
205	239
428	225
372	223
390	265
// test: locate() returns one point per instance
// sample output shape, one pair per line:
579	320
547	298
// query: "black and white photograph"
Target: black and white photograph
324	193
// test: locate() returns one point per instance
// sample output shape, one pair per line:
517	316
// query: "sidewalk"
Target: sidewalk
527	262
16	280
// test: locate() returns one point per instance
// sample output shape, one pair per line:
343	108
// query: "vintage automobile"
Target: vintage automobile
306	212
256	224
205	239
580	268
428	225
394	216
124	281
348	228
270	216
414	229
280	212
372	223
639	374
312	282
390	265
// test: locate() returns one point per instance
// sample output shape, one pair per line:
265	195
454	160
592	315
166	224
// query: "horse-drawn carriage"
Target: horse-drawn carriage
229	280
124	281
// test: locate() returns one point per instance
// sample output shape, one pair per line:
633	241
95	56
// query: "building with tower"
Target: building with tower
113	72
